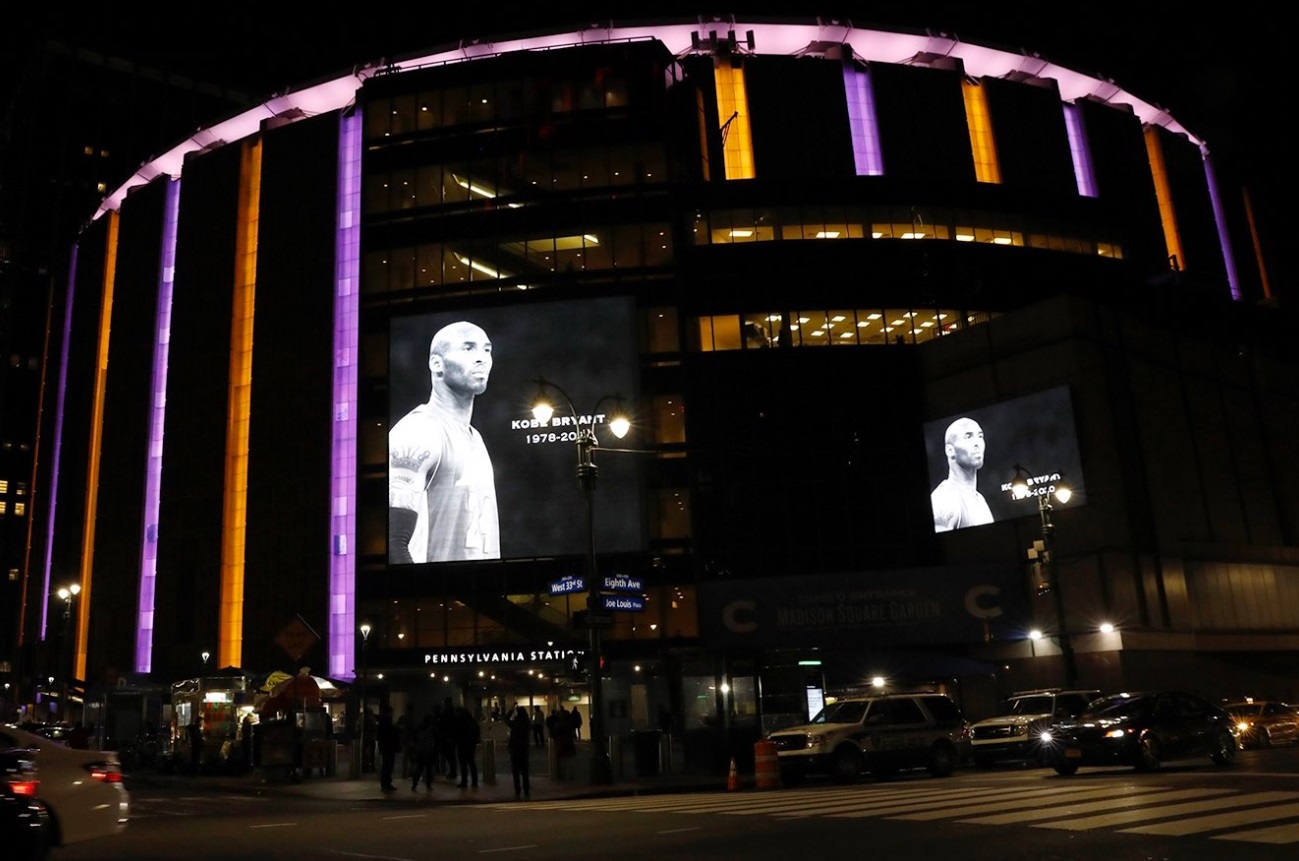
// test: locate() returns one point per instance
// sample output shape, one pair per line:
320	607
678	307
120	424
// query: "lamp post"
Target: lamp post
205	654
1020	489
365	641
601	768
67	593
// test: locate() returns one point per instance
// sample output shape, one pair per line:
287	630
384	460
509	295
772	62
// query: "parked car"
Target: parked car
24	821
1142	730
82	789
1262	723
1014	733
875	734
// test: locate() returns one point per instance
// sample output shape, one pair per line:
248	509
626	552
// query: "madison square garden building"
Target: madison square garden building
796	253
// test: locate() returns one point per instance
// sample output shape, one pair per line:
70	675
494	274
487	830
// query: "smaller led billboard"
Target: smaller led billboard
972	458
471	473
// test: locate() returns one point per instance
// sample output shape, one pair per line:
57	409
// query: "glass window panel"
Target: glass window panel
881	230
661	330
428	265
428	185
401	268
428	110
815	331
401	189
653	166
668	420
455	266
374	274
699	703
840	326
597	252
726	332
624	165
627	250
761	330
658	245
673	513
376	194
871	326
377	117
453	105
402	115
482	103
706	334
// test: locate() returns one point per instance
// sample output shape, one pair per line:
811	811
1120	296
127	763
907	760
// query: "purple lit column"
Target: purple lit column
342	525
1221	223
1081	152
58	437
157	416
861	118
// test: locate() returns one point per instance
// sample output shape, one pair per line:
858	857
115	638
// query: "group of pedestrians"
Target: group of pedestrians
444	743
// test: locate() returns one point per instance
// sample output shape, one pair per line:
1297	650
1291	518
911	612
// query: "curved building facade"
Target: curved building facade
798	254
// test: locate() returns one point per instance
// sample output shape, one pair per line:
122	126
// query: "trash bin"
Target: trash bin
645	744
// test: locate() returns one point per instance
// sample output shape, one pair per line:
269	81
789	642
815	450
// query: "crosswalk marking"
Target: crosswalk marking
1111	820
1125	807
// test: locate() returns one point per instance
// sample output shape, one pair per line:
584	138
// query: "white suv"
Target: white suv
1013	733
879	735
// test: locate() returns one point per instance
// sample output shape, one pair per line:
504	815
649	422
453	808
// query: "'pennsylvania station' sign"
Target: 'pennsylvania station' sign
518	656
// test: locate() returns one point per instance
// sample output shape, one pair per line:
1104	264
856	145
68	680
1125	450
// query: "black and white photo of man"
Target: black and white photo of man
956	501
442	503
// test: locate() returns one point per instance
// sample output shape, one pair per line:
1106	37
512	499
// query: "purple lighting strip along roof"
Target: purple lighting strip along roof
1221	222
1082	154
861	117
157	413
342	525
58	436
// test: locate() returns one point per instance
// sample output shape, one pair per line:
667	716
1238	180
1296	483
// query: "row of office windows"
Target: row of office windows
456	263
724	227
488	103
829	327
515	179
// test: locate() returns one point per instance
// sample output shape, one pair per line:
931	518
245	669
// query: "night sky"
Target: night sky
1221	77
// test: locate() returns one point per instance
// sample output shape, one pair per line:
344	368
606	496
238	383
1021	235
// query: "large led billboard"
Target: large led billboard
471	473
973	457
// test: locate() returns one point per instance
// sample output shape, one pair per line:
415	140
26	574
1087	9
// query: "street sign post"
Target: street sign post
567	585
634	603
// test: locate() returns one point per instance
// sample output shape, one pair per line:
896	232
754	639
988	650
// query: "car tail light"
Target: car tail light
26	788
108	772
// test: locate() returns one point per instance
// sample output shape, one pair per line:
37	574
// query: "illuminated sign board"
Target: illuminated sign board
973	456
508	488
633	603
567	585
620	583
513	656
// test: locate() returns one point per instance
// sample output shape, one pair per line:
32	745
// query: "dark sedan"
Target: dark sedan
24	821
1142	730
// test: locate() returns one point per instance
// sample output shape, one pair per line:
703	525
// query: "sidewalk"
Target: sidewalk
494	786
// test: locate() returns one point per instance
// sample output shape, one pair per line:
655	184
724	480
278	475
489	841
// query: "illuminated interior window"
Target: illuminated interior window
986	168
733	111
1164	194
238	412
1080	151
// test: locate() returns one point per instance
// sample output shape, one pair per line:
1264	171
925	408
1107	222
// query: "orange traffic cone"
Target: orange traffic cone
732	782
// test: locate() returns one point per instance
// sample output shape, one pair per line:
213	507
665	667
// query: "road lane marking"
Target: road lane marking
507	849
276	825
679	830
1276	834
1219	822
1067	808
371	857
407	816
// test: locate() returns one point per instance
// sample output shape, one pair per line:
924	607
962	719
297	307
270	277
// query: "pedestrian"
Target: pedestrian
387	742
194	732
466	736
520	742
446	739
538	727
407	731
426	752
575	718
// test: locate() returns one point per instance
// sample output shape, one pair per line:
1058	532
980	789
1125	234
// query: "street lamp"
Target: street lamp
542	410
365	641
205	654
1020	489
67	593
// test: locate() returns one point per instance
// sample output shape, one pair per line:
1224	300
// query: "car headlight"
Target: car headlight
1116	733
1045	736
1244	726
816	740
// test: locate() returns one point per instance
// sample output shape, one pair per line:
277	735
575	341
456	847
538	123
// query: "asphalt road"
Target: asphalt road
1186	811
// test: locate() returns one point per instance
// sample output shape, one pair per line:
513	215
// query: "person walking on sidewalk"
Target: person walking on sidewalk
446	738
407	730
538	727
520	744
575	718
387	742
467	735
426	754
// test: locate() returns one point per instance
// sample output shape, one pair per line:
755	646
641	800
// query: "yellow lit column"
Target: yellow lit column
733	111
235	522
86	574
982	143
1164	194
